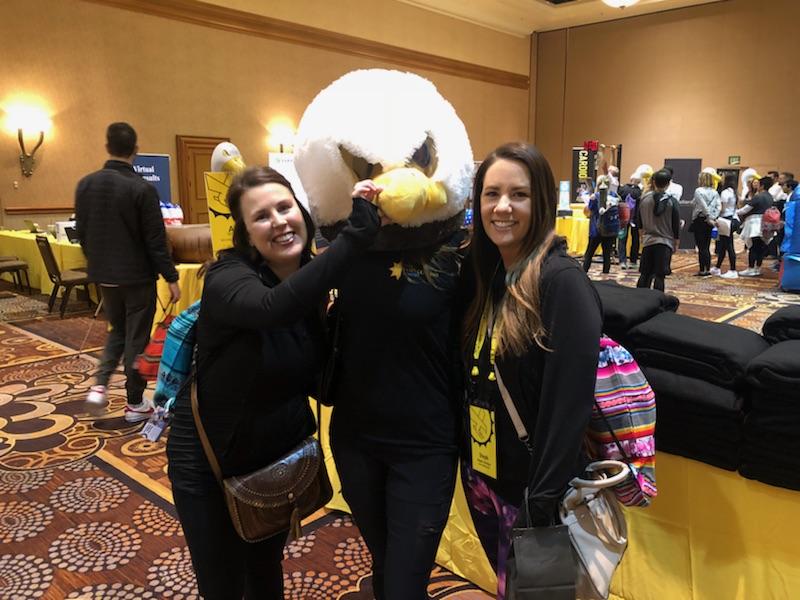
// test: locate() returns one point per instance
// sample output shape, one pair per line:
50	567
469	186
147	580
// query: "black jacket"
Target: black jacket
120	227
260	348
552	390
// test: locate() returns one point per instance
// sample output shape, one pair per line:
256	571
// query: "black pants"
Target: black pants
130	310
400	503
622	246
725	246
702	238
608	247
227	567
757	251
655	266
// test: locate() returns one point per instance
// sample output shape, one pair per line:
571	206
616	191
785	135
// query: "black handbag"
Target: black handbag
541	563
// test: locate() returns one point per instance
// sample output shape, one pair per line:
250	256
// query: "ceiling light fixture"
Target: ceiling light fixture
620	3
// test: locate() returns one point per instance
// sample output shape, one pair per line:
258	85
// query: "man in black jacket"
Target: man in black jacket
121	231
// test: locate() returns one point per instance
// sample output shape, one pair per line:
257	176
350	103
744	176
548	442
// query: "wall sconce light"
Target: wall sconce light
620	3
281	136
28	120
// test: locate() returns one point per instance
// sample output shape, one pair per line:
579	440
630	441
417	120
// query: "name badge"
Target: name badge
483	440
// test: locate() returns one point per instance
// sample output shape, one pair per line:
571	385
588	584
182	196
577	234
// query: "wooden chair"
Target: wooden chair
17	267
66	279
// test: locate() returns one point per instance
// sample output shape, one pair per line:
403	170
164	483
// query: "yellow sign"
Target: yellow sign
219	215
484	441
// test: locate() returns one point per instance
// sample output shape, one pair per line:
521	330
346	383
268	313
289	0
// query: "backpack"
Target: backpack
623	422
177	356
771	223
147	363
608	223
625	210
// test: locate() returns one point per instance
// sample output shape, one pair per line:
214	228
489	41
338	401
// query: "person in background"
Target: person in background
750	216
536	318
602	229
660	229
705	210
725	242
775	189
119	224
630	194
674	189
260	348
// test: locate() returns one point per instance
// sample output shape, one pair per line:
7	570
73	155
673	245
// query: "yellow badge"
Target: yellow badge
484	440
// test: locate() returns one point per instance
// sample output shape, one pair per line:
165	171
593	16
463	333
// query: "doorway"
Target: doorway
194	159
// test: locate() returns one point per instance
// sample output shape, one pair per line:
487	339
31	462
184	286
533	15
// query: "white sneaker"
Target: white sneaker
715	271
95	402
139	412
746	273
757	272
730	275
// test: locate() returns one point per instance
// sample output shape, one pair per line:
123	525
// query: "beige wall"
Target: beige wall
398	24
93	64
714	101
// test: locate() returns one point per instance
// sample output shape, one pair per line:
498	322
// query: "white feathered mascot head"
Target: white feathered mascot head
396	129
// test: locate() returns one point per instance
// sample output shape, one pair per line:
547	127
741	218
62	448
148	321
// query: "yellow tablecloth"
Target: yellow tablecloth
23	245
191	290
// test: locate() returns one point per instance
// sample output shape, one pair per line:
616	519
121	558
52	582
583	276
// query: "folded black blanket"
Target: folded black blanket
721	455
783	325
625	307
788	478
691	393
712	352
777	370
774	424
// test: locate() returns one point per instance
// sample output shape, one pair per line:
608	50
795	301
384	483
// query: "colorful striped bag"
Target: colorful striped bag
623	422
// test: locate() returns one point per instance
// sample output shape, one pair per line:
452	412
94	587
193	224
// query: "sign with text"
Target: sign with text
155	169
583	166
283	163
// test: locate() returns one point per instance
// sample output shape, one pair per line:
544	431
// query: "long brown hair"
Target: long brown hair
519	322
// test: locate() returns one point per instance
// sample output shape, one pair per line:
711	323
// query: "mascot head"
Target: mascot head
226	158
396	129
642	173
716	178
747	176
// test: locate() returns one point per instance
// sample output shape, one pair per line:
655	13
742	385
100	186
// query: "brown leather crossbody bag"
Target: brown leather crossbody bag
276	497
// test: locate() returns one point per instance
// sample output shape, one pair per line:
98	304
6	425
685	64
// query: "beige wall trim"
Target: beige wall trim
218	17
37	210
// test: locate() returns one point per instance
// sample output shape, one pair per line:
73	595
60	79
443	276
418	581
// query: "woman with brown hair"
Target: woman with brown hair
536	317
260	347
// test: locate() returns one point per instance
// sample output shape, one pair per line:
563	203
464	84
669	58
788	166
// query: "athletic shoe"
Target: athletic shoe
730	275
747	273
140	412
95	403
757	272
715	271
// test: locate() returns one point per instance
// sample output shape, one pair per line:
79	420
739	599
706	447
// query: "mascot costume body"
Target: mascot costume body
394	426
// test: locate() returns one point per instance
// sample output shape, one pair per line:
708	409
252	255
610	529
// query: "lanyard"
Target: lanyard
485	330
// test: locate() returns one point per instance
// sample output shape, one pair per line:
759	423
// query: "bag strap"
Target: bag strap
522	433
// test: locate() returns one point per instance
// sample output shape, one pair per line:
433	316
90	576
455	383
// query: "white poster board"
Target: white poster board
283	163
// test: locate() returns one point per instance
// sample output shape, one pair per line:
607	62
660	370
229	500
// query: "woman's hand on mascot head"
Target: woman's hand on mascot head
368	190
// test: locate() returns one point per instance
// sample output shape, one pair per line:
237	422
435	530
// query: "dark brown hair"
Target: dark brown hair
519	322
254	177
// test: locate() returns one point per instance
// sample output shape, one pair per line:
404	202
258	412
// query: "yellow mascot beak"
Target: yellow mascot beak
409	195
234	165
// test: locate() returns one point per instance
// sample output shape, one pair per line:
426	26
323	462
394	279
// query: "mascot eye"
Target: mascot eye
360	166
425	157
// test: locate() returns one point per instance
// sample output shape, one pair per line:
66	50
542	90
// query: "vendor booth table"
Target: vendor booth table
23	245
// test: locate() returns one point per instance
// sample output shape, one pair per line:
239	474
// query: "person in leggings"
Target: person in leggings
750	215
725	242
660	227
596	238
395	423
704	215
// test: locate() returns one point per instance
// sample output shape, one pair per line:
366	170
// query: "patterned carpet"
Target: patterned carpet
85	506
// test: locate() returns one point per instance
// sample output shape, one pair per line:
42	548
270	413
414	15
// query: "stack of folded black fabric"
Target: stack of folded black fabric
783	325
771	451
698	372
625	307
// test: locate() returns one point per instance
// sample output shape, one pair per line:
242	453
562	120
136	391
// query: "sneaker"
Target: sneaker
95	402
747	273
715	271
730	275
757	272
139	412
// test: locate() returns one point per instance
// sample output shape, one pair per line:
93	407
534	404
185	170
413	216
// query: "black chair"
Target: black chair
66	279
17	267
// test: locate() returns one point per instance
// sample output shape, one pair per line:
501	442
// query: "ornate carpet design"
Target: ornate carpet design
18	307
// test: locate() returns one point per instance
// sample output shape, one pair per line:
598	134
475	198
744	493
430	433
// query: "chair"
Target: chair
12	264
66	279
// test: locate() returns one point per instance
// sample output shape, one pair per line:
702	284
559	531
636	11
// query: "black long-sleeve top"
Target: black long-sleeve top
260	346
397	379
552	390
120	228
